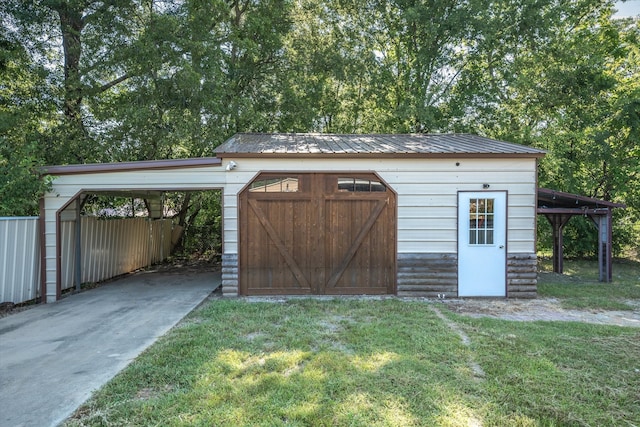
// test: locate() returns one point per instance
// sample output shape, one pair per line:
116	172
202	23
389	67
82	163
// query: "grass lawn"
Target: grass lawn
372	363
579	287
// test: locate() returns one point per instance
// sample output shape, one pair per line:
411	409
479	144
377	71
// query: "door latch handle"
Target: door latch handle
501	246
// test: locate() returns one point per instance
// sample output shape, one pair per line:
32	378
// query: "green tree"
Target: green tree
87	80
80	43
561	76
22	113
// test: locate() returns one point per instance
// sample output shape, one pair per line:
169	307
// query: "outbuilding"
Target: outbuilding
434	215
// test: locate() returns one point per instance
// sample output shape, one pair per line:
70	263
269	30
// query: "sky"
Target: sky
627	8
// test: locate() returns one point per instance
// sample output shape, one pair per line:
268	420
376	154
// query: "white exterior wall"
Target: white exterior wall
427	195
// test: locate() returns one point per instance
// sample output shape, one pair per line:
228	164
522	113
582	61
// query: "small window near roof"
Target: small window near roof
285	184
360	185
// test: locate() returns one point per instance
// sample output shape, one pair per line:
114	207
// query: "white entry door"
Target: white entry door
482	240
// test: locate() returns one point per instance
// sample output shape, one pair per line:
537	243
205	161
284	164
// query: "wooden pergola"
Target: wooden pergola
559	207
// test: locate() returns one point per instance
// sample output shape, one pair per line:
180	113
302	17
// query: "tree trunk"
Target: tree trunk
71	25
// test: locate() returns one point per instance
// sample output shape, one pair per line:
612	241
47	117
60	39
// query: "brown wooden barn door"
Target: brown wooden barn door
317	234
360	224
276	217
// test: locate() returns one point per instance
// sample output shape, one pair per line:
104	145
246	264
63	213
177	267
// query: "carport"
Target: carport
559	207
94	249
144	179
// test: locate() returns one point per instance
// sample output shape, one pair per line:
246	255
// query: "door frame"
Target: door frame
481	193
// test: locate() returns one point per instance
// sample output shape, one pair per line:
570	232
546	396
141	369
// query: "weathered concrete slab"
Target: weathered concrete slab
53	356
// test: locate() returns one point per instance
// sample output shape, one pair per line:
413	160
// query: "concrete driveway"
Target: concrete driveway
53	356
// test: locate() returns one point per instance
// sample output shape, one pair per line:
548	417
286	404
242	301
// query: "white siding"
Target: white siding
427	195
19	259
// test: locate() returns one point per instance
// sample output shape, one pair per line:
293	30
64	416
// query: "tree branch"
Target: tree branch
112	83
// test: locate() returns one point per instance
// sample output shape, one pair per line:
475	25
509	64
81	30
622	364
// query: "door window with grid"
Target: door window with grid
481	216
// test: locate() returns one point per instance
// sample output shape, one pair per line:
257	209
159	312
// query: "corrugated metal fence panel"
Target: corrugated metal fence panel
109	248
167	231
160	240
116	246
19	259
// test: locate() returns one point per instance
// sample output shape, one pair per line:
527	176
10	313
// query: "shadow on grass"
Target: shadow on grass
370	363
303	362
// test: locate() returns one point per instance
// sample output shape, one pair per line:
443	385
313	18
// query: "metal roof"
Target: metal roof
376	145
549	200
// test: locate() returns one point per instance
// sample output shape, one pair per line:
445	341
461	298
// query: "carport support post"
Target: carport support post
609	245
149	242
602	221
604	246
78	257
162	227
558	221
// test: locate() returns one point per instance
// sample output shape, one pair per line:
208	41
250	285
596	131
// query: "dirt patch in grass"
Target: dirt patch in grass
524	310
542	309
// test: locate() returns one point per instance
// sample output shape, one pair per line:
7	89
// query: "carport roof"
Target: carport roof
559	207
374	145
130	166
554	201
